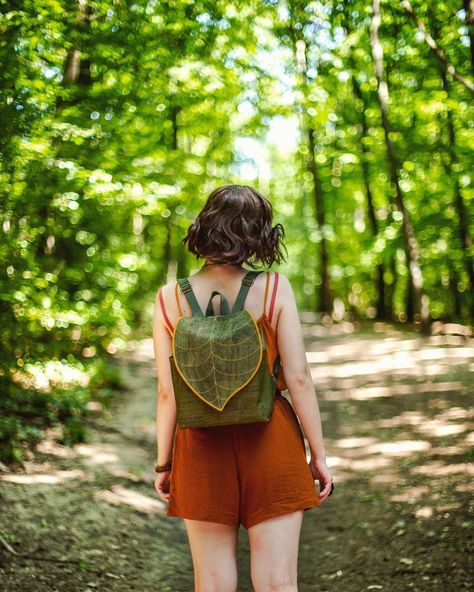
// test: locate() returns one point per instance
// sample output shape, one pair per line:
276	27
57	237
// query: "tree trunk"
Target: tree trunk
379	280
77	68
297	16
468	6
449	164
420	300
325	299
460	206
438	52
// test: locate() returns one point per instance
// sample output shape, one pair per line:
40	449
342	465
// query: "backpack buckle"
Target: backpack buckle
248	280
187	288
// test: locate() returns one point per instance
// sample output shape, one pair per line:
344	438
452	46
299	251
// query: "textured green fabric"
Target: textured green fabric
217	355
219	365
253	403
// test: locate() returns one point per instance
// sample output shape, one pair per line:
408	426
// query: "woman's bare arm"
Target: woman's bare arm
296	369
166	404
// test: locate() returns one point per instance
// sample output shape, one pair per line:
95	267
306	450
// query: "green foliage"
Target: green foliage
119	118
55	401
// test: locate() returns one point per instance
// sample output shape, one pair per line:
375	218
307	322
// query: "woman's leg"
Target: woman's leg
274	553
214	554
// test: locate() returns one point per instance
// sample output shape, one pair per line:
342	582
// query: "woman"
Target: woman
257	473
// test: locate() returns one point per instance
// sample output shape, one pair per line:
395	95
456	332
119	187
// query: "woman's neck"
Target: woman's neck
230	270
211	263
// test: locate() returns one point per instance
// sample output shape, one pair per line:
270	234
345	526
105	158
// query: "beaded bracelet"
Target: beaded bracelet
163	468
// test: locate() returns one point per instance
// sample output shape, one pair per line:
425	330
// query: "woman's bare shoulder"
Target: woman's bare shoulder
164	299
285	293
166	289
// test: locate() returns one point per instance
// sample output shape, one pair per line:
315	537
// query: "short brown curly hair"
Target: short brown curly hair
235	226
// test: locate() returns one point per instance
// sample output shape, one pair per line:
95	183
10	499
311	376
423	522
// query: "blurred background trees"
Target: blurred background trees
118	118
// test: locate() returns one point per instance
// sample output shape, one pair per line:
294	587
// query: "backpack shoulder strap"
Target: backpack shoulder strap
247	281
190	297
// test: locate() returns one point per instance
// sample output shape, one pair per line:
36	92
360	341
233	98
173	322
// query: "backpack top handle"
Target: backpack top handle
187	290
224	306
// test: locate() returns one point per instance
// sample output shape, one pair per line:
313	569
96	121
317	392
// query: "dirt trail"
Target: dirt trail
397	424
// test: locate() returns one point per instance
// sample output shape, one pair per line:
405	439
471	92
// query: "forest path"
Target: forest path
396	419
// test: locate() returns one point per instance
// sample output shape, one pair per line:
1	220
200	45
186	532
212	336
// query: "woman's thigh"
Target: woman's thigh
214	554
274	547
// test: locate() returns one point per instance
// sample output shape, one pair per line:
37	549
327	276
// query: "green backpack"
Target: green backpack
219	365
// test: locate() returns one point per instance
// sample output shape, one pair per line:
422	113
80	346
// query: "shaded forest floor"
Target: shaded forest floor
397	420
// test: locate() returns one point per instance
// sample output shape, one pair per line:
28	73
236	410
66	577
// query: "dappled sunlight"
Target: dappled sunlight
465	487
411	494
400	412
353	442
431	426
97	454
338	368
374	446
359	347
370	464
399	448
47	446
456	413
424	512
469	439
448	450
139	502
404	365
54	478
46	376
365	464
140	350
440	429
438	469
123	473
364	393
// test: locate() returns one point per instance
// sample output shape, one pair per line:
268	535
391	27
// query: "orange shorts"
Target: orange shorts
242	473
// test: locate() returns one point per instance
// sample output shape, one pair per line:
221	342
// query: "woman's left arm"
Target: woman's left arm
166	404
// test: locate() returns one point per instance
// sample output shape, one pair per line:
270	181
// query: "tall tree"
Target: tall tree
420	299
296	28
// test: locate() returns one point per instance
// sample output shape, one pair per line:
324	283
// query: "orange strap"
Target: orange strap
272	302
176	290
266	292
163	309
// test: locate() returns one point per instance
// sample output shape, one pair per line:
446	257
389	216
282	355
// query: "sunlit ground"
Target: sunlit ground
429	382
397	412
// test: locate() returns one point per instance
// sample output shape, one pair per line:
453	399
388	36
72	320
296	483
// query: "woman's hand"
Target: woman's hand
162	485
321	473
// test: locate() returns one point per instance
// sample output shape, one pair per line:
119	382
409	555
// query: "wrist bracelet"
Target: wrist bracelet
163	468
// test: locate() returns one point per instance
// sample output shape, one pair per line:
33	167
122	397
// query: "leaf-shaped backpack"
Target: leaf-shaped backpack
219	364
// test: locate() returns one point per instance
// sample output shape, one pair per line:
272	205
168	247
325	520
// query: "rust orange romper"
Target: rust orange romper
243	473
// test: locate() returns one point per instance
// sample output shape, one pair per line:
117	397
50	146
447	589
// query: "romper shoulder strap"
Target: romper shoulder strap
247	281
272	301
176	292
267	283
163	310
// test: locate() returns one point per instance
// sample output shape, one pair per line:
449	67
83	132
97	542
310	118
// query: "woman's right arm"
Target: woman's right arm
299	382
